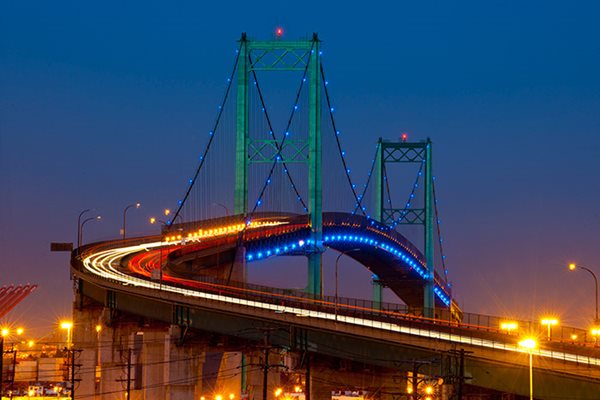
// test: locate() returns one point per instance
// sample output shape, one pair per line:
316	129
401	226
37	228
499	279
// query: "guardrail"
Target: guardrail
474	329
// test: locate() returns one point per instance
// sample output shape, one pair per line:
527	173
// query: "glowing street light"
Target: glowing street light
136	205
68	325
573	267
96	218
549	322
529	344
278	392
336	278
509	326
595	333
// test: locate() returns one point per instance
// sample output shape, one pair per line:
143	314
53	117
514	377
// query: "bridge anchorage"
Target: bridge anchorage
201	306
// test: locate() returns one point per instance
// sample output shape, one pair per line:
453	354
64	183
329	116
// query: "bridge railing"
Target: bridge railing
384	311
388	310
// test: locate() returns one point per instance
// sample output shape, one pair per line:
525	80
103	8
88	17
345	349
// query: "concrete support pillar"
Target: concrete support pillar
180	368
86	339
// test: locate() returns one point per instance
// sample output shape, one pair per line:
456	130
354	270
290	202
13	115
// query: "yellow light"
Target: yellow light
98	328
217	397
573	336
409	390
66	325
202	398
30	393
509	326
595	331
152	220
20	331
297	389
231	396
549	321
167	211
278	392
30	343
5	331
528	343
428	390
572	266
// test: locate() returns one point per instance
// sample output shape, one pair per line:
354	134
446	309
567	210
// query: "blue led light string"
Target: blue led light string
366	185
410	196
383	243
272	132
210	140
440	241
341	152
285	135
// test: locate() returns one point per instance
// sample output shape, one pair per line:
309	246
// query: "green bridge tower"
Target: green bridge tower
406	152
280	55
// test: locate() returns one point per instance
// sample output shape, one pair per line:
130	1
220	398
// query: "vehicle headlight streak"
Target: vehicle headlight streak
105	264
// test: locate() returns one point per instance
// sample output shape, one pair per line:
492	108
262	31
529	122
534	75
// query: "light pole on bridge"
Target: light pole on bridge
573	267
336	277
80	239
136	205
79	225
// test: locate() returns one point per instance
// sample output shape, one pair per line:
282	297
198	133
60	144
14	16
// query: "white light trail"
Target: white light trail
105	264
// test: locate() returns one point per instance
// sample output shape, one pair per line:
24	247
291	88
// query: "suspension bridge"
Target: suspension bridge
276	159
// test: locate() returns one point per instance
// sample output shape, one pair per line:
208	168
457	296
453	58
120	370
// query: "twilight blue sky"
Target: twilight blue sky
106	104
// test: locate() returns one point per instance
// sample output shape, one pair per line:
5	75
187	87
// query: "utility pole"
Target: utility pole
12	372
1	366
266	365
307	383
461	371
129	374
128	379
71	364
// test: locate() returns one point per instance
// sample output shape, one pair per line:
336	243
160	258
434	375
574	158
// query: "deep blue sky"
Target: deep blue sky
104	105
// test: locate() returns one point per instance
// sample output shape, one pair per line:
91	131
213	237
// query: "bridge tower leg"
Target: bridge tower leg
308	54
429	297
406	152
315	259
377	287
242	132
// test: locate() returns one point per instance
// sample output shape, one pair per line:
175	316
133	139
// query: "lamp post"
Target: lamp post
5	333
549	322
529	344
80	240
79	225
336	277
68	325
154	220
573	267
224	207
136	205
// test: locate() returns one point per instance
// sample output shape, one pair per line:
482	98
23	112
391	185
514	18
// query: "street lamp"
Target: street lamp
549	322
509	326
574	266
96	218
336	277
224	207
529	344
79	225
68	325
136	205
4	333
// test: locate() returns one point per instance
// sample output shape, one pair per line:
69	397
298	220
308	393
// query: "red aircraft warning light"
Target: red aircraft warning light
404	137
279	32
